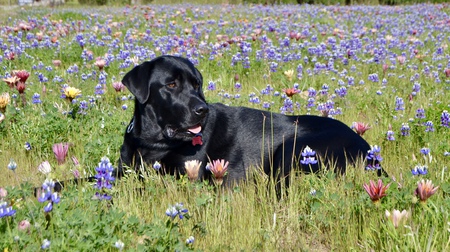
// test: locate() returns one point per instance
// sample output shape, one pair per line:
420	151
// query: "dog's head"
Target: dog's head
168	92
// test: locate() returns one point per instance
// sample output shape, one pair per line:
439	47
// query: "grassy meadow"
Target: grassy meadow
388	67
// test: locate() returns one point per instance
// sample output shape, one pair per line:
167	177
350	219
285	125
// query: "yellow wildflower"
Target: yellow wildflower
71	93
4	101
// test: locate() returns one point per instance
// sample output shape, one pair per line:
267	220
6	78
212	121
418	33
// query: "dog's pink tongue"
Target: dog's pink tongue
195	129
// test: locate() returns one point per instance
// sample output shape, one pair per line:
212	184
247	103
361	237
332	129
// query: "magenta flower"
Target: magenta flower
218	168
24	225
376	191
401	59
447	72
425	189
118	86
100	63
56	63
60	150
22	75
360	127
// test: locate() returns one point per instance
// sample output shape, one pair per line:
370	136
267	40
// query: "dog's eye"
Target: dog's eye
196	86
171	84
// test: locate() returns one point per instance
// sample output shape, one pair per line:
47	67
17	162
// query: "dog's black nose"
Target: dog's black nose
201	110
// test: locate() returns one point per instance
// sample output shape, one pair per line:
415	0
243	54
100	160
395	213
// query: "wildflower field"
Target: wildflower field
385	71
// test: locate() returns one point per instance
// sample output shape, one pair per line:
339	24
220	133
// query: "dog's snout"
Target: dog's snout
201	110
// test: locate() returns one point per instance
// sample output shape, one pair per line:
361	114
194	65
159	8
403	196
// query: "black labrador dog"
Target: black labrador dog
173	123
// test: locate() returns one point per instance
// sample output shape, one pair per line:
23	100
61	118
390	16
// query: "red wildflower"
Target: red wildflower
22	75
290	91
360	127
376	191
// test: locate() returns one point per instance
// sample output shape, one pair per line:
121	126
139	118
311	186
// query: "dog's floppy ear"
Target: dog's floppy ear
137	81
199	78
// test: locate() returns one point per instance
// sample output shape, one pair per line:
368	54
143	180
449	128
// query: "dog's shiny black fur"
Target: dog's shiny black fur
169	101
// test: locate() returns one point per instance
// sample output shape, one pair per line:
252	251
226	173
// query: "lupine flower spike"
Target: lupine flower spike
12	165
48	195
419	170
104	178
376	191
176	210
374	158
308	156
5	209
425	189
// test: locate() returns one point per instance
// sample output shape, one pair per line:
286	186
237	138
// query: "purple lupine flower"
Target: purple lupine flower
310	103
416	88
45	244
404	130
374	77
420	113
288	106
312	92
99	90
104	178
390	135
12	165
176	210
273	66
445	119
308	156
80	40
425	151
157	166
341	91
48	195
83	107
36	99
324	90
6	210
27	146
190	240
419	170
211	86
254	99
430	126
374	158
399	104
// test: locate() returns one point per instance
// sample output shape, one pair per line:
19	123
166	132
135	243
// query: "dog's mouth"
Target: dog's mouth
195	129
193	133
171	131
